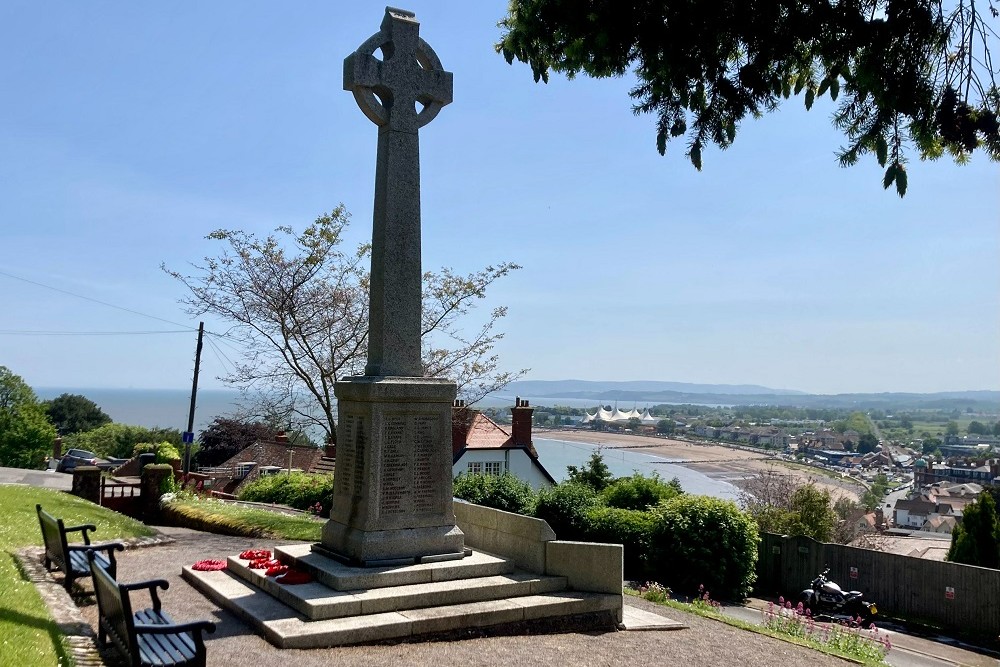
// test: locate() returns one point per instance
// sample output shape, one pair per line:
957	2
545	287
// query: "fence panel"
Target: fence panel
950	595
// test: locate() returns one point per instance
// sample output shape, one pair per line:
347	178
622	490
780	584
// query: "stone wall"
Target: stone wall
532	545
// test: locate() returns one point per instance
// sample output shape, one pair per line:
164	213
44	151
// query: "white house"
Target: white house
481	446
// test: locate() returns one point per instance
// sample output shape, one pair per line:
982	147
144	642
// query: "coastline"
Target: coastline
711	459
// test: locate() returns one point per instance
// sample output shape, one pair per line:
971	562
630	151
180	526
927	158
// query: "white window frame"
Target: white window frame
496	468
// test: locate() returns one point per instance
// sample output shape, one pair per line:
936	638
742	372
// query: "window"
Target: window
493	467
475	468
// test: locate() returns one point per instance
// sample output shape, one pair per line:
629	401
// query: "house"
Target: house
913	513
263	458
481	446
940	524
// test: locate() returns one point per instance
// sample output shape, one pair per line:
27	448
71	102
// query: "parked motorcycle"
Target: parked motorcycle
826	597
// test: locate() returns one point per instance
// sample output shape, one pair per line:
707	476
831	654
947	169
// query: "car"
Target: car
78	457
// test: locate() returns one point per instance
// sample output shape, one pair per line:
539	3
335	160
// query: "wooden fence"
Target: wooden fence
948	595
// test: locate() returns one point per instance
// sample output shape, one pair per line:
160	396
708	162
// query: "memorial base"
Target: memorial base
392	489
376	549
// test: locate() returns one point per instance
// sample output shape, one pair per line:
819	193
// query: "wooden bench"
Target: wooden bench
72	558
148	636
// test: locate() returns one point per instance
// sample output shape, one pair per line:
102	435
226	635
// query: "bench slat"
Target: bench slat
163	649
80	564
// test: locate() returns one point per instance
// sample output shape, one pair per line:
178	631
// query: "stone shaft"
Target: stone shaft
388	92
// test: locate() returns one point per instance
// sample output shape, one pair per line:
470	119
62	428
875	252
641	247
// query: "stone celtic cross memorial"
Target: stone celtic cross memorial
392	498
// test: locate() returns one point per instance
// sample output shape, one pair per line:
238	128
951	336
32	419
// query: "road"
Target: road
48	479
907	650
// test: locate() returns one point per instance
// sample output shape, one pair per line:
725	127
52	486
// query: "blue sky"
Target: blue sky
130	131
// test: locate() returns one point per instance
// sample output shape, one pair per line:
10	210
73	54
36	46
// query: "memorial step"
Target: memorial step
317	601
285	628
342	577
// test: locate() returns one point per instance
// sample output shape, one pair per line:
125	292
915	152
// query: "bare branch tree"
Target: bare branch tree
298	309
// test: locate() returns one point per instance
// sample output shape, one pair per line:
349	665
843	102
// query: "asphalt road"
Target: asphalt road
49	479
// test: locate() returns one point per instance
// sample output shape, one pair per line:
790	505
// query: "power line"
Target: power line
18	332
87	298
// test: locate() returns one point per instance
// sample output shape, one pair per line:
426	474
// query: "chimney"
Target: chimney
520	418
281	438
461	420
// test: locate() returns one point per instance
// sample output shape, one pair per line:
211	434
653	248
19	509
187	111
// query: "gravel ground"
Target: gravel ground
705	642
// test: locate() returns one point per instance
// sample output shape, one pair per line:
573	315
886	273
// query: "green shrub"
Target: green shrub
165	453
639	493
565	508
630	528
301	490
503	492
702	541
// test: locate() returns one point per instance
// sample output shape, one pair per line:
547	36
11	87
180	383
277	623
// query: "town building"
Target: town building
481	446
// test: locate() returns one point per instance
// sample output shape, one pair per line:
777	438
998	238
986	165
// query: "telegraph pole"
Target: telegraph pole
189	434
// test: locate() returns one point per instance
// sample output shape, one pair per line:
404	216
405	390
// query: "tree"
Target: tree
867	443
73	413
665	426
976	541
811	514
908	73
26	434
951	428
766	497
873	496
297	304
977	428
226	437
595	474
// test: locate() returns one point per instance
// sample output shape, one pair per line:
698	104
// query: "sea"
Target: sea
168	408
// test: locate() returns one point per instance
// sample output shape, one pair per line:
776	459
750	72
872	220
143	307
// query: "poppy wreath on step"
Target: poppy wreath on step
255	554
264	564
292	577
275	570
209	565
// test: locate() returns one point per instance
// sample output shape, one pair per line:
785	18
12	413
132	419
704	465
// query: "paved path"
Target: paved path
49	479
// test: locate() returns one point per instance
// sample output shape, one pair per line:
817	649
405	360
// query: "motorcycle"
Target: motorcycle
826	597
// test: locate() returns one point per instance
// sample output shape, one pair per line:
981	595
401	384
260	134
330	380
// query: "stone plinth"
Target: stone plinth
392	493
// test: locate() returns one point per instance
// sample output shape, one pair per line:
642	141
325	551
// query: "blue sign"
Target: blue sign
187	436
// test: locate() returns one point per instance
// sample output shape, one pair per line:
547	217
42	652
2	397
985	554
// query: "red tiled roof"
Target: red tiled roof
484	433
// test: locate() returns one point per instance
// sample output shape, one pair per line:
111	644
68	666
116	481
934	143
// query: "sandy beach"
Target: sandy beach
710	459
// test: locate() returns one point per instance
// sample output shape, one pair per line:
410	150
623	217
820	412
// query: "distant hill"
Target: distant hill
676	393
568	388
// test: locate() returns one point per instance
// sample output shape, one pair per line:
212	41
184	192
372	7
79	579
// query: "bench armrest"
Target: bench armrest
195	627
103	546
83	528
152	585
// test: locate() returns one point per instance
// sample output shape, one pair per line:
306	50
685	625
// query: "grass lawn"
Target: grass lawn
28	635
229	519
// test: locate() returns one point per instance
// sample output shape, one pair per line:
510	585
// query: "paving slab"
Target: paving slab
639	619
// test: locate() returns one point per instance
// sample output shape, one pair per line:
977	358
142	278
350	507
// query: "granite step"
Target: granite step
342	577
286	628
317	601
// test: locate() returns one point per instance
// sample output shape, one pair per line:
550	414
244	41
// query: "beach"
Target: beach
714	460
